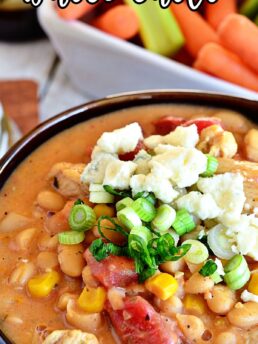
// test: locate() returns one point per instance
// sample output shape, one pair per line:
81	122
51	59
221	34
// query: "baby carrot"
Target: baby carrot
120	21
215	13
240	35
195	29
75	11
216	60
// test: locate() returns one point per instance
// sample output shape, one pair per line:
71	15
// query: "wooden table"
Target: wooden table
38	61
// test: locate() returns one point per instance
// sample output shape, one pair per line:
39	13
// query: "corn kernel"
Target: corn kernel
194	304
253	284
92	300
103	210
162	285
42	285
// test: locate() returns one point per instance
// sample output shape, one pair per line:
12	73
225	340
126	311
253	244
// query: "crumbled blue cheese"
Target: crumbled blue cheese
187	137
94	172
203	206
228	192
183	136
160	186
121	140
118	174
141	160
161	148
153	141
181	165
246	227
249	297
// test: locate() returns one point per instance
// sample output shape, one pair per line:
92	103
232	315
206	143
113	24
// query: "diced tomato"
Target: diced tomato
202	123
131	155
139	323
165	125
112	271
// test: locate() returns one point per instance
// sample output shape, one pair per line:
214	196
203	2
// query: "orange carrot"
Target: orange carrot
195	29
75	11
120	21
216	60
240	35
215	13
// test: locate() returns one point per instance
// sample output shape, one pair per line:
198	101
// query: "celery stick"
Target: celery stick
250	8
159	30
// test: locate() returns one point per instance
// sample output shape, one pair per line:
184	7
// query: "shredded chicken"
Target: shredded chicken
66	179
70	337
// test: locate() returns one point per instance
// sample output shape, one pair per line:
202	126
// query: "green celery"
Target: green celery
159	30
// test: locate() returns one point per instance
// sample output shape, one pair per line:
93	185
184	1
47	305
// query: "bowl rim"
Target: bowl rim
95	108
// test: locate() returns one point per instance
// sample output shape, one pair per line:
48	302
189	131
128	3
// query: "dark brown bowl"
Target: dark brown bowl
100	107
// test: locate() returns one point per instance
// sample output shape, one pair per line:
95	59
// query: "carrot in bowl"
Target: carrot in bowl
75	11
195	29
120	21
238	34
216	60
215	13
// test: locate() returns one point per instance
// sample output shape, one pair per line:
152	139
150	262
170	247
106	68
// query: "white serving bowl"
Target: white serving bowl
99	64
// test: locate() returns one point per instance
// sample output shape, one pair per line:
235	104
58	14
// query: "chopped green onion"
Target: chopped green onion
212	165
198	252
115	228
123	203
237	272
112	191
144	209
101	250
219	242
142	194
81	218
216	277
129	218
184	222
149	196
164	218
138	237
208	268
101	197
71	237
79	201
96	187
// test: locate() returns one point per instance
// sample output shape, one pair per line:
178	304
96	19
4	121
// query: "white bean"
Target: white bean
64	299
84	321
220	299
198	284
88	278
71	259
191	326
22	274
171	306
172	267
24	239
13	221
225	338
48	242
244	315
47	260
50	200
